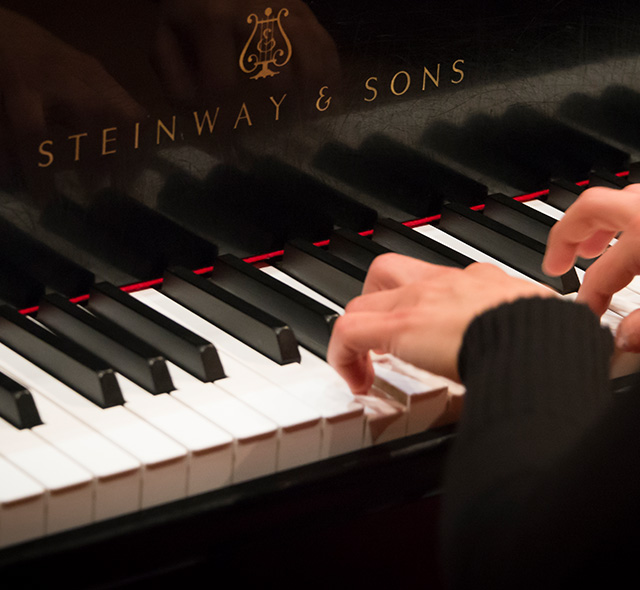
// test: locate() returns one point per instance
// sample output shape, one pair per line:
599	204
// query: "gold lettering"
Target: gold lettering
373	89
406	86
435	80
171	134
457	71
106	140
77	139
46	153
136	139
206	119
277	105
324	101
243	114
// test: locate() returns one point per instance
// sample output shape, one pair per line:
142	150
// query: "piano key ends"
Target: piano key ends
17	405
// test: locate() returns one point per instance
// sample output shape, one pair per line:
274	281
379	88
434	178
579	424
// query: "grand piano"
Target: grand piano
164	164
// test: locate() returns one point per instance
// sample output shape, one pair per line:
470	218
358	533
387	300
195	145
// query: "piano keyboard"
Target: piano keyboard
86	463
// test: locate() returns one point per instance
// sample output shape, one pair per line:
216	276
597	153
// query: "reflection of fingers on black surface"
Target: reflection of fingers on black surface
25	112
216	52
172	67
315	56
111	100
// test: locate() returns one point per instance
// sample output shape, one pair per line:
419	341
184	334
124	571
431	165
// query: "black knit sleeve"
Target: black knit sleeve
542	449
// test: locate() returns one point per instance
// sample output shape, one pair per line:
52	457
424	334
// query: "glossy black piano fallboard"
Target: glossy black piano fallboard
135	136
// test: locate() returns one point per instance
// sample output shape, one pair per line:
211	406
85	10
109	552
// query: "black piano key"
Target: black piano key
602	177
324	272
354	248
250	323
634	173
563	194
519	217
397	237
501	242
42	263
129	355
75	366
311	321
17	405
525	220
186	349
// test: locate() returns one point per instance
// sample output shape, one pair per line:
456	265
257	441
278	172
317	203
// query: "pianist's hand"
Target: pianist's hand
586	230
419	312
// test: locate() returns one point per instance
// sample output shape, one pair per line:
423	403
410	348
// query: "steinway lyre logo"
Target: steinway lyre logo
268	46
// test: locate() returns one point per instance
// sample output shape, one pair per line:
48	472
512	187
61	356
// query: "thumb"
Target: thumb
628	333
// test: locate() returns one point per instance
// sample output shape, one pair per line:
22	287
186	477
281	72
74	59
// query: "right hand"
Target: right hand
419	312
586	230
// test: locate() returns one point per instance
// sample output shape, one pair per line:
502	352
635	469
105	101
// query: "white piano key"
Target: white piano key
209	447
425	399
69	496
117	474
386	419
22	505
425	405
473	253
342	417
299	425
545	208
165	462
255	440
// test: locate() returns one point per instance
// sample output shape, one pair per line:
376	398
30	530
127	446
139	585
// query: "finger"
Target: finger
614	270
353	336
378	301
597	209
634	188
628	334
596	244
389	271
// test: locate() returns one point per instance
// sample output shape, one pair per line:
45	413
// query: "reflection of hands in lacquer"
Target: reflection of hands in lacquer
45	82
206	49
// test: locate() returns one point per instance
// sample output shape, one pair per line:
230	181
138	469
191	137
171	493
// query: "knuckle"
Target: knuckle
483	269
353	305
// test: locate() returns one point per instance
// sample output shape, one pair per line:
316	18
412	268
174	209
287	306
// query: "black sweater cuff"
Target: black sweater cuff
535	355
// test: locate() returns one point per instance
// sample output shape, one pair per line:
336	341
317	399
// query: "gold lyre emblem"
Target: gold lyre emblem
268	47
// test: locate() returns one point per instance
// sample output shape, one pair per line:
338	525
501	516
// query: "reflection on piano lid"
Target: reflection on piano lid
307	139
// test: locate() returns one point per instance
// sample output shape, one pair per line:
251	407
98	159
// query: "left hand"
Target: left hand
418	312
